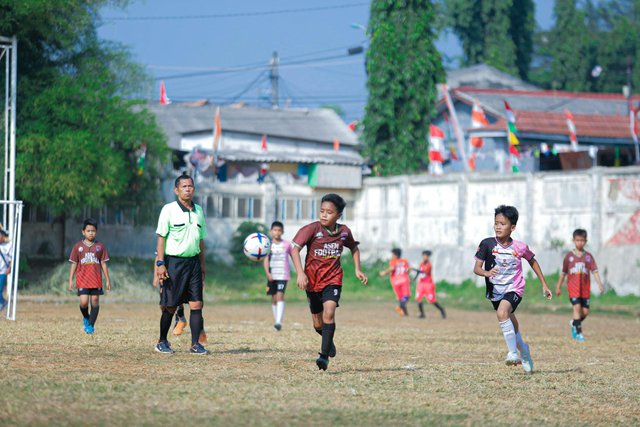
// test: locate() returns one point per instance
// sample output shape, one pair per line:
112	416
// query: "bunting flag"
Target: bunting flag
478	120
263	145
453	154
142	155
436	138
573	137
633	127
512	139
217	131
336	144
164	99
353	126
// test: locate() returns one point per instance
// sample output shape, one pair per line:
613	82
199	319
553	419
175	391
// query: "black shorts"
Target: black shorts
584	302
275	286
513	299
90	291
329	293
184	283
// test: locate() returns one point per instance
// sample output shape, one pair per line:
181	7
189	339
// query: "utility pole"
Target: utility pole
274	80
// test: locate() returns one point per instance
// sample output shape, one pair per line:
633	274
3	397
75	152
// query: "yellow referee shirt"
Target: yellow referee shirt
182	228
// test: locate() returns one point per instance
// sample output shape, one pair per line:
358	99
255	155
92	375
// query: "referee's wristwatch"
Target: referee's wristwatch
159	263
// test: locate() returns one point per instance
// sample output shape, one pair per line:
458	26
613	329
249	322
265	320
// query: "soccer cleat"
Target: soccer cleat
579	338
199	349
277	326
512	359
164	347
333	351
179	328
89	329
422	316
527	362
322	362
574	332
203	337
399	311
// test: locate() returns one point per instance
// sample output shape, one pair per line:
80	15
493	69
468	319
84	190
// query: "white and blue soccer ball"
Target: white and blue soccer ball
256	246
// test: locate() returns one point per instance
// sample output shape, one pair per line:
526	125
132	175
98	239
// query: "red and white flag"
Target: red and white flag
217	131
164	99
478	120
263	145
573	137
436	145
336	144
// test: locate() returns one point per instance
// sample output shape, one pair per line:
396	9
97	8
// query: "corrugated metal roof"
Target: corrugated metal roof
338	158
485	76
319	125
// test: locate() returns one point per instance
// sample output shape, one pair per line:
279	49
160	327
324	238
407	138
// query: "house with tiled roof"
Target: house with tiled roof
602	125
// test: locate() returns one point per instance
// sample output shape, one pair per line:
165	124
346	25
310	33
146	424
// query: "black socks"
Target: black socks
421	308
165	324
328	330
578	325
196	324
84	311
95	309
442	312
403	306
180	312
319	331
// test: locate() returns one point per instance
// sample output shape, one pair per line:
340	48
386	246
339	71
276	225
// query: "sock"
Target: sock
328	329
274	309
421	308
195	323
578	325
279	311
180	313
165	324
84	311
509	335
439	307
319	331
522	346
95	309
403	306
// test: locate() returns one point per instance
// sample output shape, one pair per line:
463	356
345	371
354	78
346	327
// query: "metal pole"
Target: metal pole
12	135
456	126
5	173
274	80
15	268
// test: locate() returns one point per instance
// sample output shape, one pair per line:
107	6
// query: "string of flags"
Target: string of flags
142	155
478	120
514	152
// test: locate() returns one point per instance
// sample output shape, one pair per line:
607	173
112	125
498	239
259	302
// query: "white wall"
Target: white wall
450	215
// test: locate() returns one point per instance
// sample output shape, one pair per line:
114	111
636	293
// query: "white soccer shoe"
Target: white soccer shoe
527	362
512	359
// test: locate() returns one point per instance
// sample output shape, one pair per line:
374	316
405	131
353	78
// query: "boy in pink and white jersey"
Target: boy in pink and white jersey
502	258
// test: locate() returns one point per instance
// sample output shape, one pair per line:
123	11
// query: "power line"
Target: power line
233	15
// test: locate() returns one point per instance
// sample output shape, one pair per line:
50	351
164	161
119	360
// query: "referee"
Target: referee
180	263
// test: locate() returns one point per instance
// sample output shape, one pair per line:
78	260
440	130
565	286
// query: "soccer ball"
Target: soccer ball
256	246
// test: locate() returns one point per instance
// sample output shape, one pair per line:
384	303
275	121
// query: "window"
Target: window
226	207
243	208
257	208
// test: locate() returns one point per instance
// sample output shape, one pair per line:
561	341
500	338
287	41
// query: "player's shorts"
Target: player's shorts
513	298
329	293
184	283
275	286
426	289
401	286
90	291
584	302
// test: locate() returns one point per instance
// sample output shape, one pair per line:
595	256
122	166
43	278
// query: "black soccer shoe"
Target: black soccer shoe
332	350
322	362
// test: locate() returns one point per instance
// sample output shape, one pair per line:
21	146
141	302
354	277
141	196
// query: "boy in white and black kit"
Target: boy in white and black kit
5	264
278	271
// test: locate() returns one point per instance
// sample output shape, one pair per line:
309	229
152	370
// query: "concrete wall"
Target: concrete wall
450	215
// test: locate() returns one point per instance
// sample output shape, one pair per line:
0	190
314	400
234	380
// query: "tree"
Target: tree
78	133
494	32
403	68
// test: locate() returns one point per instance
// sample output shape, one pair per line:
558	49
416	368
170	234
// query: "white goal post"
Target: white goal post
13	225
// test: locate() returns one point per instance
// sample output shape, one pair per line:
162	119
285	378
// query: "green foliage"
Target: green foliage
495	32
78	133
243	230
403	69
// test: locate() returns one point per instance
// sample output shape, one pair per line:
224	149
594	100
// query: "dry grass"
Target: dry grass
389	370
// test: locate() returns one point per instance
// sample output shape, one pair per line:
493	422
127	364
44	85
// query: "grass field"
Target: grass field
389	370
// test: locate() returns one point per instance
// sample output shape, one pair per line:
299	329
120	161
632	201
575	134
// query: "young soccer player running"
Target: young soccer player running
322	274
5	264
426	288
577	268
400	282
88	262
276	267
505	283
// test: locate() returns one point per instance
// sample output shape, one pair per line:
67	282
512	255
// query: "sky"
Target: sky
221	50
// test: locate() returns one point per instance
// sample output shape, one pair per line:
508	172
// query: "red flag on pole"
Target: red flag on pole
264	143
336	144
164	99
572	130
217	131
436	144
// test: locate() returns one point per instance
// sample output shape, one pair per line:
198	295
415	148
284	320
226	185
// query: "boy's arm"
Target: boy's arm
265	265
11	263
72	271
385	272
600	286
560	282
302	279
161	271
105	270
536	269
477	269
355	253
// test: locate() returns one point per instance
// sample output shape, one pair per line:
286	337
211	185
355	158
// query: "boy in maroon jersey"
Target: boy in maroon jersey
88	262
577	268
322	273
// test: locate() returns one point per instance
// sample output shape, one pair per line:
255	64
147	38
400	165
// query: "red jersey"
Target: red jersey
324	248
88	259
424	274
578	271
